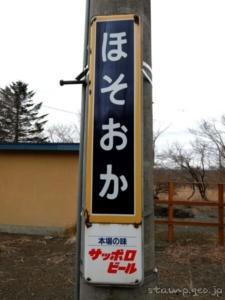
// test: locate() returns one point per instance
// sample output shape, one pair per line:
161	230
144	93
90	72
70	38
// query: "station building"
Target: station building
38	187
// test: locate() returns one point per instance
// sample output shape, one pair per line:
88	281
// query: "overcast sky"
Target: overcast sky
42	42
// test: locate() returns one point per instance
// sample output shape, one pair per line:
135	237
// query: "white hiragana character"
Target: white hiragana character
114	88
114	179
117	40
112	132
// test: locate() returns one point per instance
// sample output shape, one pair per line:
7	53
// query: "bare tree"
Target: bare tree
158	187
213	132
192	162
157	133
61	133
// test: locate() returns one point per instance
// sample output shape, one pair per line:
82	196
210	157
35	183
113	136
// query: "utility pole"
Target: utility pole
88	291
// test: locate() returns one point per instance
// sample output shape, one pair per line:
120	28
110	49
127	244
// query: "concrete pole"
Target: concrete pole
88	291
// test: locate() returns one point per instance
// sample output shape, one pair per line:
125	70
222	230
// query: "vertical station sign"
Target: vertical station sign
113	179
113	160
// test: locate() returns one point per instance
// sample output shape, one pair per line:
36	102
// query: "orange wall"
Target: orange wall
38	189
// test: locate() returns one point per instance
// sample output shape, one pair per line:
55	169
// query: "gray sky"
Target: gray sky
42	42
188	62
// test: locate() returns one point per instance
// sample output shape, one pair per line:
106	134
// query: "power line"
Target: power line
59	109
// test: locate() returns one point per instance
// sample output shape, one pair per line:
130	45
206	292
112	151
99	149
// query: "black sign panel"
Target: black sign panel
114	119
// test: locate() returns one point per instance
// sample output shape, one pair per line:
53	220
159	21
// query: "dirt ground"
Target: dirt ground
42	268
192	267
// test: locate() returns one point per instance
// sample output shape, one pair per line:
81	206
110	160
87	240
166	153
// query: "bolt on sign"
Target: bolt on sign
113	179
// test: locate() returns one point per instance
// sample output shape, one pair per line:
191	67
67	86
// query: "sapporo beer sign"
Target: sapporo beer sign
113	254
113	160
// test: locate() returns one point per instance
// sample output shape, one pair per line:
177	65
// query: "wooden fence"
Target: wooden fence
219	205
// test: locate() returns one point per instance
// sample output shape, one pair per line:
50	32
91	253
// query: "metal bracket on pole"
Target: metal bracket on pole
146	67
87	218
80	79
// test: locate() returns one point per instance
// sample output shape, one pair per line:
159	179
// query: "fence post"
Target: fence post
220	215
170	212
